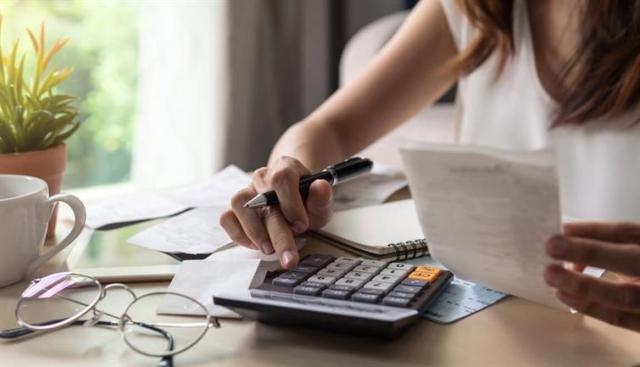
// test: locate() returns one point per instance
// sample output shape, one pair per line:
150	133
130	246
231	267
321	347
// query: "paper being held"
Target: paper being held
487	213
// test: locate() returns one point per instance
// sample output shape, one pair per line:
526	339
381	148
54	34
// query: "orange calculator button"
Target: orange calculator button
425	273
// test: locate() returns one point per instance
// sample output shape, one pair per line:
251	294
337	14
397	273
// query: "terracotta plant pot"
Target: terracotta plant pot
48	164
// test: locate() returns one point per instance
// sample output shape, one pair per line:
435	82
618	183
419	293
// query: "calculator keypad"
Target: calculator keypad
359	280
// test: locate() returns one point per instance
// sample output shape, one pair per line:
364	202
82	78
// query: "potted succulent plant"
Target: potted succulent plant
35	120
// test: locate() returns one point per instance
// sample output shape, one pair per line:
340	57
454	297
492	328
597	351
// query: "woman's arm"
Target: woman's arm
407	75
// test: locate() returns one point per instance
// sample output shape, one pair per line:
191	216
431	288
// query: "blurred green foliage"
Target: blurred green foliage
103	51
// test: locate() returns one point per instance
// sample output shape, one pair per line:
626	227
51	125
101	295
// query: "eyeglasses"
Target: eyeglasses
63	299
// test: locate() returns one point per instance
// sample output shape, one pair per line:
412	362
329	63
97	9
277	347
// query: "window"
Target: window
148	79
102	50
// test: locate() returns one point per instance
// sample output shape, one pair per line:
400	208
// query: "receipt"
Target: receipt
123	209
194	232
201	279
371	189
487	214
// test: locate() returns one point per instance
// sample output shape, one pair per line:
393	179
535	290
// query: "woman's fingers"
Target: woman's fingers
624	258
626	319
319	203
622	232
250	220
273	228
284	178
281	237
619	295
232	226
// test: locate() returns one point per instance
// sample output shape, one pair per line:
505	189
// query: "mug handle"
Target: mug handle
80	215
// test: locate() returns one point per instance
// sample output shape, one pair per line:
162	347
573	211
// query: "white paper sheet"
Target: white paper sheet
194	232
217	191
200	279
371	189
130	208
487	214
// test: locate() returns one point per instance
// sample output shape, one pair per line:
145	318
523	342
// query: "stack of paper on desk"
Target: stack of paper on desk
158	204
194	232
198	231
487	213
200	279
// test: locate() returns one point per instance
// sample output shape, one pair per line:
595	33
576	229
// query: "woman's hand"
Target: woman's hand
273	228
612	246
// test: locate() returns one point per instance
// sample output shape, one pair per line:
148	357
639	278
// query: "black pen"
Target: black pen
338	173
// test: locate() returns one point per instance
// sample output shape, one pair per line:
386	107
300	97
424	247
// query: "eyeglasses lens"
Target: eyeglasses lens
51	301
143	325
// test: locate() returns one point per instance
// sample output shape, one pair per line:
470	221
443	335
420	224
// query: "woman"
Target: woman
531	74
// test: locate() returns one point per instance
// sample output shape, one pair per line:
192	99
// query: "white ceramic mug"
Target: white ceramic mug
25	208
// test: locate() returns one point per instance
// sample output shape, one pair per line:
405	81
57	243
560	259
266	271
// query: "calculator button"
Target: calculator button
367	269
427	269
326	280
386	279
426	274
382	286
356	283
372	291
358	275
348	260
285	282
415	283
394	293
332	272
395	272
336	293
341	266
407	289
396	301
366	298
305	269
400	266
317	261
376	263
313	284
307	290
340	287
293	275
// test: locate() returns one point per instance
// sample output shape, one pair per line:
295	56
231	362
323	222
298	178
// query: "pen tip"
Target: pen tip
257	201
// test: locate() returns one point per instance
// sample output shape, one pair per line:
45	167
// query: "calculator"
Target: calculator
346	294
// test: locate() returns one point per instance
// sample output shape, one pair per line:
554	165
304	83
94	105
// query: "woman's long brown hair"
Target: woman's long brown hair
605	69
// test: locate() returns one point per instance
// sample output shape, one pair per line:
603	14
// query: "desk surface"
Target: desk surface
514	332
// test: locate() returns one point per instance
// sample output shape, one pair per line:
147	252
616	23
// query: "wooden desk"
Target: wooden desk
513	333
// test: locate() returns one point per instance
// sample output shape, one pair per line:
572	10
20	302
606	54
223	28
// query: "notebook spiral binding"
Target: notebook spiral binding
410	249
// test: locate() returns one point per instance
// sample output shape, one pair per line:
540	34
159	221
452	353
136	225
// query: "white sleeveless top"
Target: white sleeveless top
598	166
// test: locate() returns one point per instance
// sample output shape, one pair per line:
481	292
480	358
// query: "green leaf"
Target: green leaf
19	129
64	136
20	81
34	117
7	136
54	79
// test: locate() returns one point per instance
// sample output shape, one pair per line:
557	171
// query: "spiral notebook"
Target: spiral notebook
389	231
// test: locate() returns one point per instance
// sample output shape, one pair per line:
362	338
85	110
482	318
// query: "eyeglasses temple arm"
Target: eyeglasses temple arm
19	332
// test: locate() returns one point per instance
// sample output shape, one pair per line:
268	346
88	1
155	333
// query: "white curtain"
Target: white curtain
182	90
